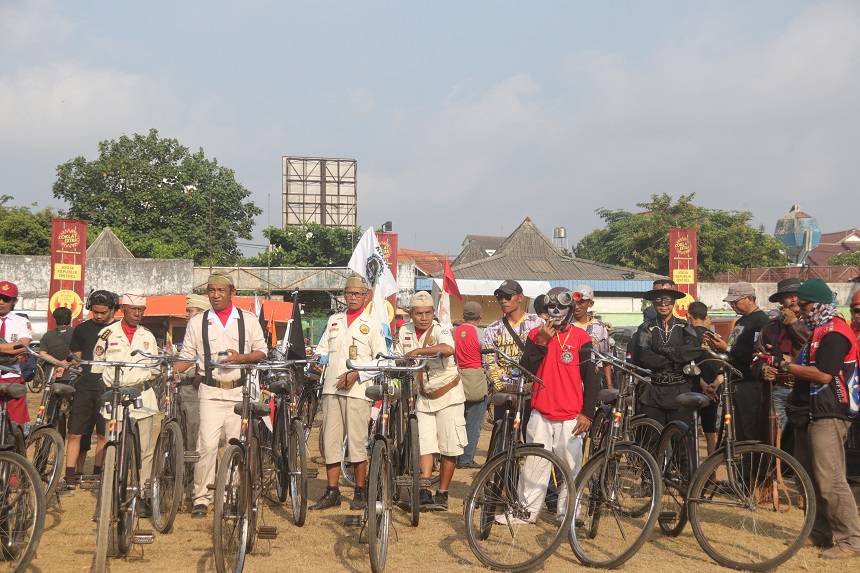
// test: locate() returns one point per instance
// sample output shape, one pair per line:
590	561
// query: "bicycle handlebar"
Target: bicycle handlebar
501	354
49	359
723	359
390	368
117	363
428	357
637	372
163	357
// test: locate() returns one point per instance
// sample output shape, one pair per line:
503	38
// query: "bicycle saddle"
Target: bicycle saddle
375	392
693	401
502	400
607	395
128	394
258	409
63	390
11	390
279	387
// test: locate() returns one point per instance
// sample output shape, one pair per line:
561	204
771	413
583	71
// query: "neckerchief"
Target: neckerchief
821	314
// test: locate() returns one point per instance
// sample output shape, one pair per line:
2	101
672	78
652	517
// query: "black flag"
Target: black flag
295	336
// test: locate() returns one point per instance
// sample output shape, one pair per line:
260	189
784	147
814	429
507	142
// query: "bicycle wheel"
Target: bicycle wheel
609	527
645	432
22	511
37	384
281	454
298	471
230	524
107	499
379	502
46	450
598	430
126	498
513	521
408	493
254	486
168	473
675	458
307	410
758	517
346	468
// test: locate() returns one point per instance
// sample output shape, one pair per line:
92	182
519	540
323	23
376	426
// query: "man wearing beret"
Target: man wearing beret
223	328
14	329
468	337
822	372
117	342
352	335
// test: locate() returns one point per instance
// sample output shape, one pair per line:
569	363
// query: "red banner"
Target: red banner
68	256
388	244
683	252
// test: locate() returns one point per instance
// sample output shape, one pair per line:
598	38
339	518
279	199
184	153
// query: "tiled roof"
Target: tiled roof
832	244
470	253
427	261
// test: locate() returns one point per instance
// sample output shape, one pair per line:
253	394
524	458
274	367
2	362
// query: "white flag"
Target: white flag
443	312
368	260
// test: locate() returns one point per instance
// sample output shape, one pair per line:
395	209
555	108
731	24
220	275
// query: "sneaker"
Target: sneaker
425	500
331	498
508	518
441	500
359	499
200	510
64	487
839	552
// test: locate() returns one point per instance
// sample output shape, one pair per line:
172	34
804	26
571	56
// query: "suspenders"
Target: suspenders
208	352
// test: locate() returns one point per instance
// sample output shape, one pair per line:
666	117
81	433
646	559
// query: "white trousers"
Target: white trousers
558	438
216	414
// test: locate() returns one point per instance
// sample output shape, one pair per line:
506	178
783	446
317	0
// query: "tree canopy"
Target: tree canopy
726	239
160	199
845	259
23	232
309	245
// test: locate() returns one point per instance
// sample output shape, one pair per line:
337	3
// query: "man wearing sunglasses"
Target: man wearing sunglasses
14	329
665	345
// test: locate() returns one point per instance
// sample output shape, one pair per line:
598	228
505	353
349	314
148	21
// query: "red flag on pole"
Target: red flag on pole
449	283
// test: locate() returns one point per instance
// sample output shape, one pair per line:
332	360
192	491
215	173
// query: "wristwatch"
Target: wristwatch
785	367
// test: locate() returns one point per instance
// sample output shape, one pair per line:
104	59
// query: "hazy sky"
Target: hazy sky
464	117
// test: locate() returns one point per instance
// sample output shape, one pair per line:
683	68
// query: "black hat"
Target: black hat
658	292
784	286
509	288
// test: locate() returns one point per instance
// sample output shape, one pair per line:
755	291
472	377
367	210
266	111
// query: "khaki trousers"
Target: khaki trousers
216	414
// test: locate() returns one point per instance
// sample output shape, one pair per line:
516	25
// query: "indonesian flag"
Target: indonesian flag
449	283
449	287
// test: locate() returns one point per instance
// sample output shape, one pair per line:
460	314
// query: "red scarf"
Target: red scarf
224	315
419	333
351	315
128	331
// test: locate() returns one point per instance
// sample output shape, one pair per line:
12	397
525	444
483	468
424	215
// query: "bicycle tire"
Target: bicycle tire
527	522
596	433
298	471
254	488
645	433
230	520
168	476
676	459
46	451
605	484
346	467
107	497
379	502
22	511
412	471
126	496
759	537
281	454
37	384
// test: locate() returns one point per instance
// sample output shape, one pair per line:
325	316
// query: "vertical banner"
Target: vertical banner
683	252
388	244
68	258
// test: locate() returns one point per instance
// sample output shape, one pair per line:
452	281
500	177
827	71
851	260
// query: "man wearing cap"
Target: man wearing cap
352	335
223	328
664	346
509	335
741	347
14	329
188	395
822	370
781	339
583	298
468	337
441	424
117	342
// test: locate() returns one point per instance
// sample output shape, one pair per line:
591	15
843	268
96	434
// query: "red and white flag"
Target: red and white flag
449	287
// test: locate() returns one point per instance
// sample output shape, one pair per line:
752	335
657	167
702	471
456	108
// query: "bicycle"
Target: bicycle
618	491
22	497
751	506
119	488
514	520
239	483
167	484
394	459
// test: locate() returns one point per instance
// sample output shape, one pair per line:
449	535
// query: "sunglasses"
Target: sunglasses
664	301
504	296
5	298
855	310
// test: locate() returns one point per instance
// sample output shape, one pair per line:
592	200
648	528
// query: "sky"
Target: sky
464	117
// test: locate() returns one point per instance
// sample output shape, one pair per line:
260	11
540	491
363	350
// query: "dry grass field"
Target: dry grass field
324	544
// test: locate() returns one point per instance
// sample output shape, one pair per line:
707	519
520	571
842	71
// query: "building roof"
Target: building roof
427	262
486	242
832	244
108	246
470	253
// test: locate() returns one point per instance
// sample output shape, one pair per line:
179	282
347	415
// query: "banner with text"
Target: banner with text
683	252
68	257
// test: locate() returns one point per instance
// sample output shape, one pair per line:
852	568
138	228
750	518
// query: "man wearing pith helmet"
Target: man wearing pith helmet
356	336
441	423
223	328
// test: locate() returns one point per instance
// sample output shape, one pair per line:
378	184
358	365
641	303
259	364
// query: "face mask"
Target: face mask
559	315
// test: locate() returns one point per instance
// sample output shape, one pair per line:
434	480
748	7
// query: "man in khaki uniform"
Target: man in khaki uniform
219	389
441	423
357	336
194	304
116	343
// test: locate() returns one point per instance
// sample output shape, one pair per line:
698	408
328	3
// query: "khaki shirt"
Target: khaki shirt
365	333
442	370
222	339
113	345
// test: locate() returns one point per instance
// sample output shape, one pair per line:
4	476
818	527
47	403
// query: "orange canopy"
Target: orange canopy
174	305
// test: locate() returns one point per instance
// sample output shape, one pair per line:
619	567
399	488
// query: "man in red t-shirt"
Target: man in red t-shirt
560	355
467	352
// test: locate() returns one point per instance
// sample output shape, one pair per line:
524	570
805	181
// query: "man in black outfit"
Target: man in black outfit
741	347
55	343
86	407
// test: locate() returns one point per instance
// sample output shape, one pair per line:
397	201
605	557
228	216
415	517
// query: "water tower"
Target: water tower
559	237
799	233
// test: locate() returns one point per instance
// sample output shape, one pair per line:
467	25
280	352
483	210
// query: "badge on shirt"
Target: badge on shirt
146	346
333	324
431	341
364	329
100	350
114	343
463	334
105	335
29	326
13	338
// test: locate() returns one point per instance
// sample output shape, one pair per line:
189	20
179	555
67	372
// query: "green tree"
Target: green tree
726	239
162	200
309	245
845	259
23	232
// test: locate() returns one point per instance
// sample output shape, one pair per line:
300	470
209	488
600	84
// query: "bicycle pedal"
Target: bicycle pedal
403	481
90	485
143	537
267	532
313	472
667	517
89	478
353	520
210	486
192	457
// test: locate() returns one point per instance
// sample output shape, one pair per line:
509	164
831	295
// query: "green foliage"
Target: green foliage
308	245
23	232
845	259
726	239
158	197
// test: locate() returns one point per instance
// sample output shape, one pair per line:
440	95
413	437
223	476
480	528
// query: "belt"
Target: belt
668	379
223	384
439	392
